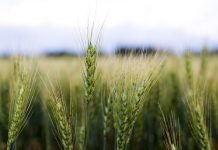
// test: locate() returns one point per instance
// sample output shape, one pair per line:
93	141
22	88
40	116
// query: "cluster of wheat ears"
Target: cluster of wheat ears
120	110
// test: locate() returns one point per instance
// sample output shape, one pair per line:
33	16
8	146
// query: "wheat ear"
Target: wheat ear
60	118
20	106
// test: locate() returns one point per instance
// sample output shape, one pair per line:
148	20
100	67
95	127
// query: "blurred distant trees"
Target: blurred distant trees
135	50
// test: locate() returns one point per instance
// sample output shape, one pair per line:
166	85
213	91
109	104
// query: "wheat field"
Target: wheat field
96	102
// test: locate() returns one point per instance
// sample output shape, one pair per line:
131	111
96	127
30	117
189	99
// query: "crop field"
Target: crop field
144	102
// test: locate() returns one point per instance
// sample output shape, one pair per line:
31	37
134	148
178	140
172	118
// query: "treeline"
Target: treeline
119	51
136	50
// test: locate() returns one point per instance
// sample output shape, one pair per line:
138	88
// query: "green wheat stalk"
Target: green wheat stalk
61	121
204	57
90	69
189	71
20	106
197	123
130	102
171	131
194	102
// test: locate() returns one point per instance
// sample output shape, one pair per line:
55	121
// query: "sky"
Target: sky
34	26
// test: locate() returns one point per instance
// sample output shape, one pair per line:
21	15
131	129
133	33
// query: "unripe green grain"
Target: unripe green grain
63	127
17	119
129	105
199	129
108	115
188	66
196	121
204	55
21	101
90	69
60	121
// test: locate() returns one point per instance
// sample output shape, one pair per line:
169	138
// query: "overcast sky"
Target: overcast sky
176	24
